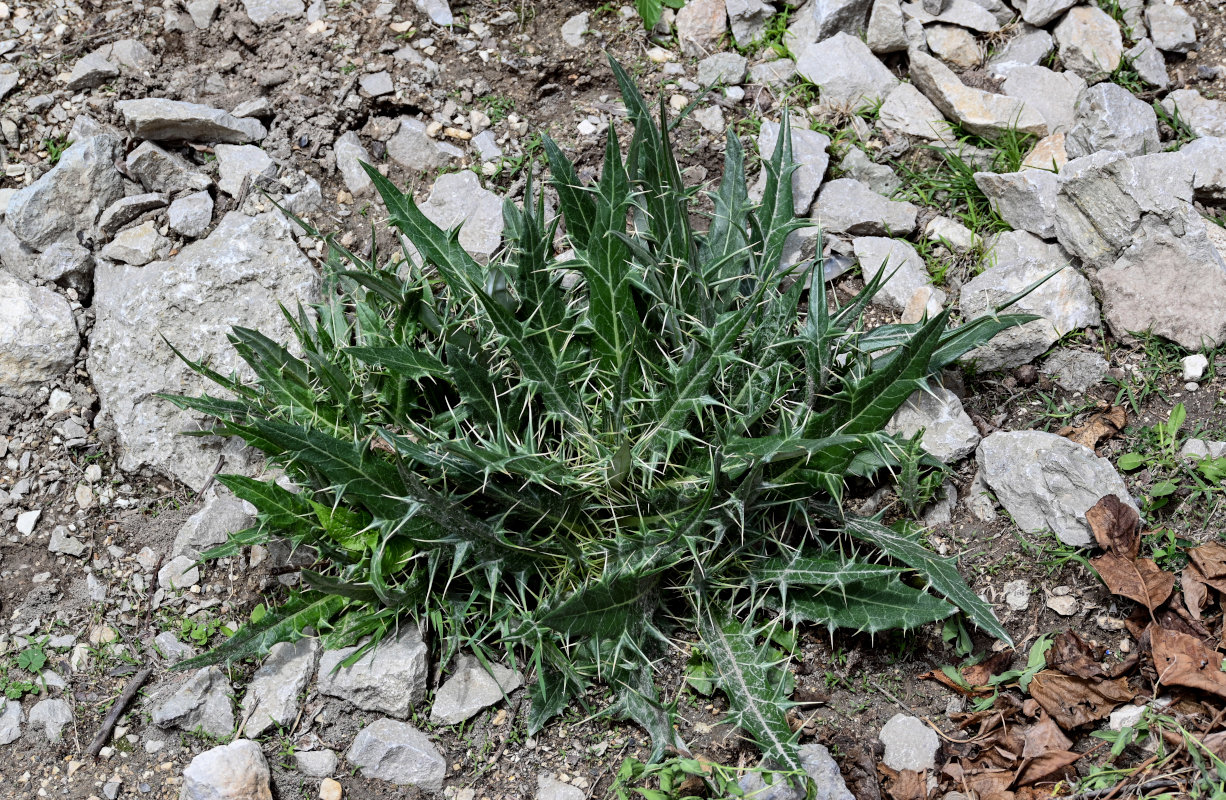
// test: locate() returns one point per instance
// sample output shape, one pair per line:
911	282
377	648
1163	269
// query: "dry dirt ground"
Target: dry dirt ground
849	685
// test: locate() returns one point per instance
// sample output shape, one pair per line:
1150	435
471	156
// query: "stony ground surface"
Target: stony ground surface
143	144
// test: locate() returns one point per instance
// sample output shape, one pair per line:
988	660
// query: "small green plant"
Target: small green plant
566	470
200	632
55	148
497	107
1160	455
1180	128
20	676
651	10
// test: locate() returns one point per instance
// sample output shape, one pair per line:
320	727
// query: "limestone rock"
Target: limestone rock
458	199
949	433
909	744
92	70
178	574
69	199
840	16
878	177
393	751
51	716
315	763
38	336
350	154
549	788
161	171
439	11
846	71
159	119
1076	370
979	111
700	24
1089	42
954	45
886	30
272	696
1026	200
1024	50
747	18
10	721
1047	154
1109	117
237	164
202	701
1048	482
1053	94
1205	117
411	148
270	12
1040	12
776	74
908	276
190	216
722	68
963	13
1207	157
126	209
1172	28
470	689
221	515
235	771
137	246
236	276
848	206
907	110
390	679
809	151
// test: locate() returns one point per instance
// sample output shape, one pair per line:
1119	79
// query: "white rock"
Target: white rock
236	771
238	163
846	71
191	215
909	744
1194	367
38	336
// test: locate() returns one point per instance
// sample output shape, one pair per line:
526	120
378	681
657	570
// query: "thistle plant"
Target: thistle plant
576	464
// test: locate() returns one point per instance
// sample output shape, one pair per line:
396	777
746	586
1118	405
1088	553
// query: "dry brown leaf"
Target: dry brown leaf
1044	737
1138	579
1183	660
908	785
1210	559
1195	590
1105	424
979	674
1051	766
1071	655
1073	702
1116	526
993	783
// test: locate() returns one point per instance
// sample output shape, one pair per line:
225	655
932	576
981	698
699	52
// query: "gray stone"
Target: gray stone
954	45
949	433
1024	50
700	25
549	788
67	263
1026	200
411	148
846	71
1171	28
67	201
979	501
710	118
377	84
978	111
159	119
9	78
1076	370
1053	94
221	515
458	199
270	12
1172	285
574	28
886	30
1048	482
1194	366
722	68
1149	63
951	233
236	276
809	151
775	74
389	679
1040	12
255	107
239	163
439	11
126	209
137	246
1065	302
19	259
839	16
487	147
1017	596
178	574
747	18
1096	213
1089	42
315	763
1207	158
350	154
235	771
964	13
27	520
470	689
10	721
190	216
161	171
802	32
907	110
909	281
52	716
878	177
200	702
1109	117
171	648
397	752
272	696
92	70
848	206
38	336
63	542
909	744
1205	117
1195	450
133	57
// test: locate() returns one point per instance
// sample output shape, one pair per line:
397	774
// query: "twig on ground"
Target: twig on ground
116	711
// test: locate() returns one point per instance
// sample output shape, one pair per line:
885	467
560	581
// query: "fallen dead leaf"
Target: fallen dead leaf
1045	736
1070	654
1105	424
1210	559
1183	660
1050	766
1116	526
1195	590
1138	579
1073	702
908	785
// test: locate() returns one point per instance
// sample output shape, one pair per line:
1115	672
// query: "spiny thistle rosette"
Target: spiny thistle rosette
571	473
